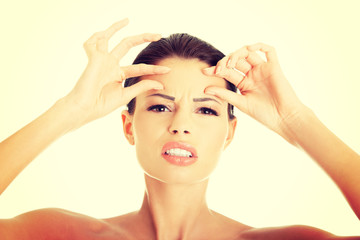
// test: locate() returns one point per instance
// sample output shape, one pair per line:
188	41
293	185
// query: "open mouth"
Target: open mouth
178	152
181	154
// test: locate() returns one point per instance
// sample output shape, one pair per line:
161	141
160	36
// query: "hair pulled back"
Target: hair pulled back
181	45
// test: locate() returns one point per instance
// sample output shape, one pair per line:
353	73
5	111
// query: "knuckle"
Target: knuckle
122	75
142	67
225	74
223	61
87	44
89	41
267	47
235	57
95	36
146	36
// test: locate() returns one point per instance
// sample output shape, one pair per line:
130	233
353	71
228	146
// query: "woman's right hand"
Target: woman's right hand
99	90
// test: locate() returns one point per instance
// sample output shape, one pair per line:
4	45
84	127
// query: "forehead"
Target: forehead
186	75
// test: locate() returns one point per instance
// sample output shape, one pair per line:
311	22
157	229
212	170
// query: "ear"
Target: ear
231	132
127	126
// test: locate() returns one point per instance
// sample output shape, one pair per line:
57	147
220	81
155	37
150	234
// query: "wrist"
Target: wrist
70	115
294	122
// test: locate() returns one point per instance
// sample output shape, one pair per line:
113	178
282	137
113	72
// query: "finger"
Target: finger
221	64
141	87
99	40
108	33
268	50
254	59
232	75
144	69
243	66
231	97
102	43
210	71
90	44
127	43
235	56
103	39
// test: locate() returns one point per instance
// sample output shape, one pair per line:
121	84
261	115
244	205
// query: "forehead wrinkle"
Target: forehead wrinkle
186	76
205	99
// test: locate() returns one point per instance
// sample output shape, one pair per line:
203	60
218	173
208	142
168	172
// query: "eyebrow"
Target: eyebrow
173	98
163	96
205	99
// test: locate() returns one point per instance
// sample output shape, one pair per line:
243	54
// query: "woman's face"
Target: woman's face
180	132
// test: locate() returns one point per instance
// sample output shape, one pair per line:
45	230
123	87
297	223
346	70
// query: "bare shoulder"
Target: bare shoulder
52	223
294	232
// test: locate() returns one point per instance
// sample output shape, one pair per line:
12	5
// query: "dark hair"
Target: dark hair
180	45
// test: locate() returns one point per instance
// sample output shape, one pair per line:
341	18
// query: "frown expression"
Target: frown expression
180	113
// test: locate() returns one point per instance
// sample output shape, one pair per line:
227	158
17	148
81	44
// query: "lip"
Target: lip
177	160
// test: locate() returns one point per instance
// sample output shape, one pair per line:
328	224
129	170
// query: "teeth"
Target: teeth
178	152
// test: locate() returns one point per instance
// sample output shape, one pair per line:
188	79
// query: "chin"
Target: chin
176	180
178	175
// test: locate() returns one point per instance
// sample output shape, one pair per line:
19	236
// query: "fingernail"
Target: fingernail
164	69
218	70
229	63
209	92
159	88
207	70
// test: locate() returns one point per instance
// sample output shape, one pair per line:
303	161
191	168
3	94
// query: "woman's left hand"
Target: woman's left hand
265	94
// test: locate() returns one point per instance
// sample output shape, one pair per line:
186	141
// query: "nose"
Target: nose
175	131
180	124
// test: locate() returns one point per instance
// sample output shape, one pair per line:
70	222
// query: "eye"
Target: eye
158	108
208	111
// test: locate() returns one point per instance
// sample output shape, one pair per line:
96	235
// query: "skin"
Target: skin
166	212
180	120
175	196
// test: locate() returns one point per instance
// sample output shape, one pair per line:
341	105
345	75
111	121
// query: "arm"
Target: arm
21	148
98	92
340	162
267	96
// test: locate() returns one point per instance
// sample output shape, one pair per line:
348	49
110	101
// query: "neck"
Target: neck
175	211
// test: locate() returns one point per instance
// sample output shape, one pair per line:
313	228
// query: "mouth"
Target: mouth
180	154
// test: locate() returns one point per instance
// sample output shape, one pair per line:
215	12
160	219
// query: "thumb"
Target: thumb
231	97
141	87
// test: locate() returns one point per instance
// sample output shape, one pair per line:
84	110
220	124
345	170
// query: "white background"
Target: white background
261	180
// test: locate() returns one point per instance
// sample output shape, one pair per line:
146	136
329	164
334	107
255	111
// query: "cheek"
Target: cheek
147	135
147	128
212	138
213	132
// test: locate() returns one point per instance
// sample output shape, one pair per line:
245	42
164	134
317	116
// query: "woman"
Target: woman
180	119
